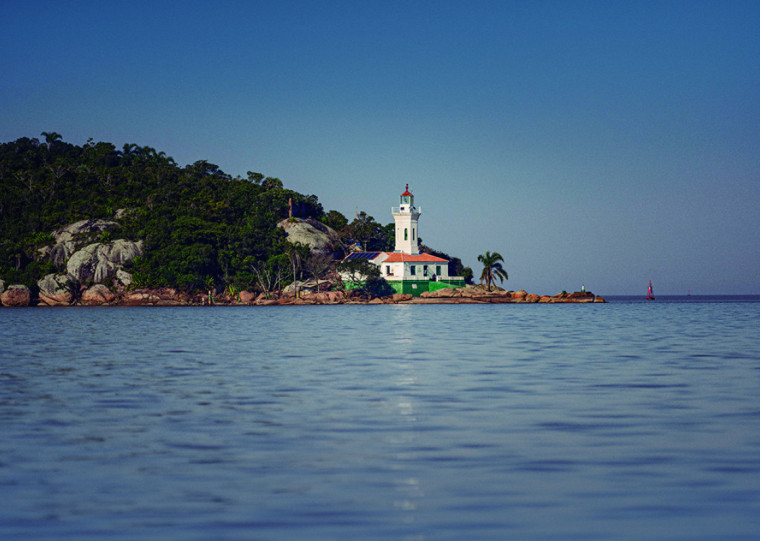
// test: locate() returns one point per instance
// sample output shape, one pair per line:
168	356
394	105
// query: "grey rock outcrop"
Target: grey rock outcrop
86	260
2	286
320	238
98	261
70	237
56	290
73	231
308	285
124	277
120	214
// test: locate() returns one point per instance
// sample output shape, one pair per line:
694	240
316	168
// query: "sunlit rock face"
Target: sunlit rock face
320	238
98	261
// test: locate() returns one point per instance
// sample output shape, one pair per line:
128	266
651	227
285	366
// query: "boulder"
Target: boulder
580	296
320	238
401	297
120	214
16	296
59	253
96	262
477	290
123	277
247	297
294	287
532	297
140	297
519	294
2	285
469	292
122	251
77	229
439	293
336	296
321	298
72	236
83	264
97	295
56	290
307	286
599	299
447	300
167	294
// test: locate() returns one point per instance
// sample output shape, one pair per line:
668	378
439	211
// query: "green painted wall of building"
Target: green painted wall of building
413	287
417	287
435	286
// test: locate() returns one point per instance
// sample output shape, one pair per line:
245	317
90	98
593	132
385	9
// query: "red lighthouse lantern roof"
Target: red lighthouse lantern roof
406	192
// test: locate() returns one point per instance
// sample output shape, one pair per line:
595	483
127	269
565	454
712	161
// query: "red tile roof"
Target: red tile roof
421	258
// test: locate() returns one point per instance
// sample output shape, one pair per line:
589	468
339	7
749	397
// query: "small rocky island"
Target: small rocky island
93	225
101	295
95	275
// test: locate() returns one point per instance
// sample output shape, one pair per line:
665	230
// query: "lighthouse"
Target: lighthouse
406	270
407	216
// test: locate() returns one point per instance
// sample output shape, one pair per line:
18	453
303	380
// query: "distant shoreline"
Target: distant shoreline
683	298
100	295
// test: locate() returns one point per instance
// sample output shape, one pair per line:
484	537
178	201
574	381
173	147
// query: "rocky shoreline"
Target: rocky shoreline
84	254
100	295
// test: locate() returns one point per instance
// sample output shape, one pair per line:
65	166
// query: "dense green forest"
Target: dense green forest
200	226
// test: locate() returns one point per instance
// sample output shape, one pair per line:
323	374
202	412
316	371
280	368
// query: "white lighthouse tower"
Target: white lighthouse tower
406	216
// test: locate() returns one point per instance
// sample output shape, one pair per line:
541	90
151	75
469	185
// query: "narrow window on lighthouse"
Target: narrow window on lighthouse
412	233
406	234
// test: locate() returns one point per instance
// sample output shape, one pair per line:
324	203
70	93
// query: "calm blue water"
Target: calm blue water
627	420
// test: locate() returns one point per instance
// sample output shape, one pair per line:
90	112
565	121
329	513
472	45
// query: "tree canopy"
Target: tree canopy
198	223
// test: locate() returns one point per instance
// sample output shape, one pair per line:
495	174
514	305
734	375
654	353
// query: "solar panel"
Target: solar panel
363	255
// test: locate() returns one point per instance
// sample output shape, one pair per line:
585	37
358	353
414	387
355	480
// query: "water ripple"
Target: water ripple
622	421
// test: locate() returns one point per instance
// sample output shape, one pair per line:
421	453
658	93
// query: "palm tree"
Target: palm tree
492	269
51	137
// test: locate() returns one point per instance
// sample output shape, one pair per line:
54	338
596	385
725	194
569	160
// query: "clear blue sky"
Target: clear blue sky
599	143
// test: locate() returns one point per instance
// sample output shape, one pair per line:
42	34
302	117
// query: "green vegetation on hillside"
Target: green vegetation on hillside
201	227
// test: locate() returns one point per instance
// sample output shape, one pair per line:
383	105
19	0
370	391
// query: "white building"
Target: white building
406	269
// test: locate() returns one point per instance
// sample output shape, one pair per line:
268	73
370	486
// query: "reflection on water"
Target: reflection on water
624	420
